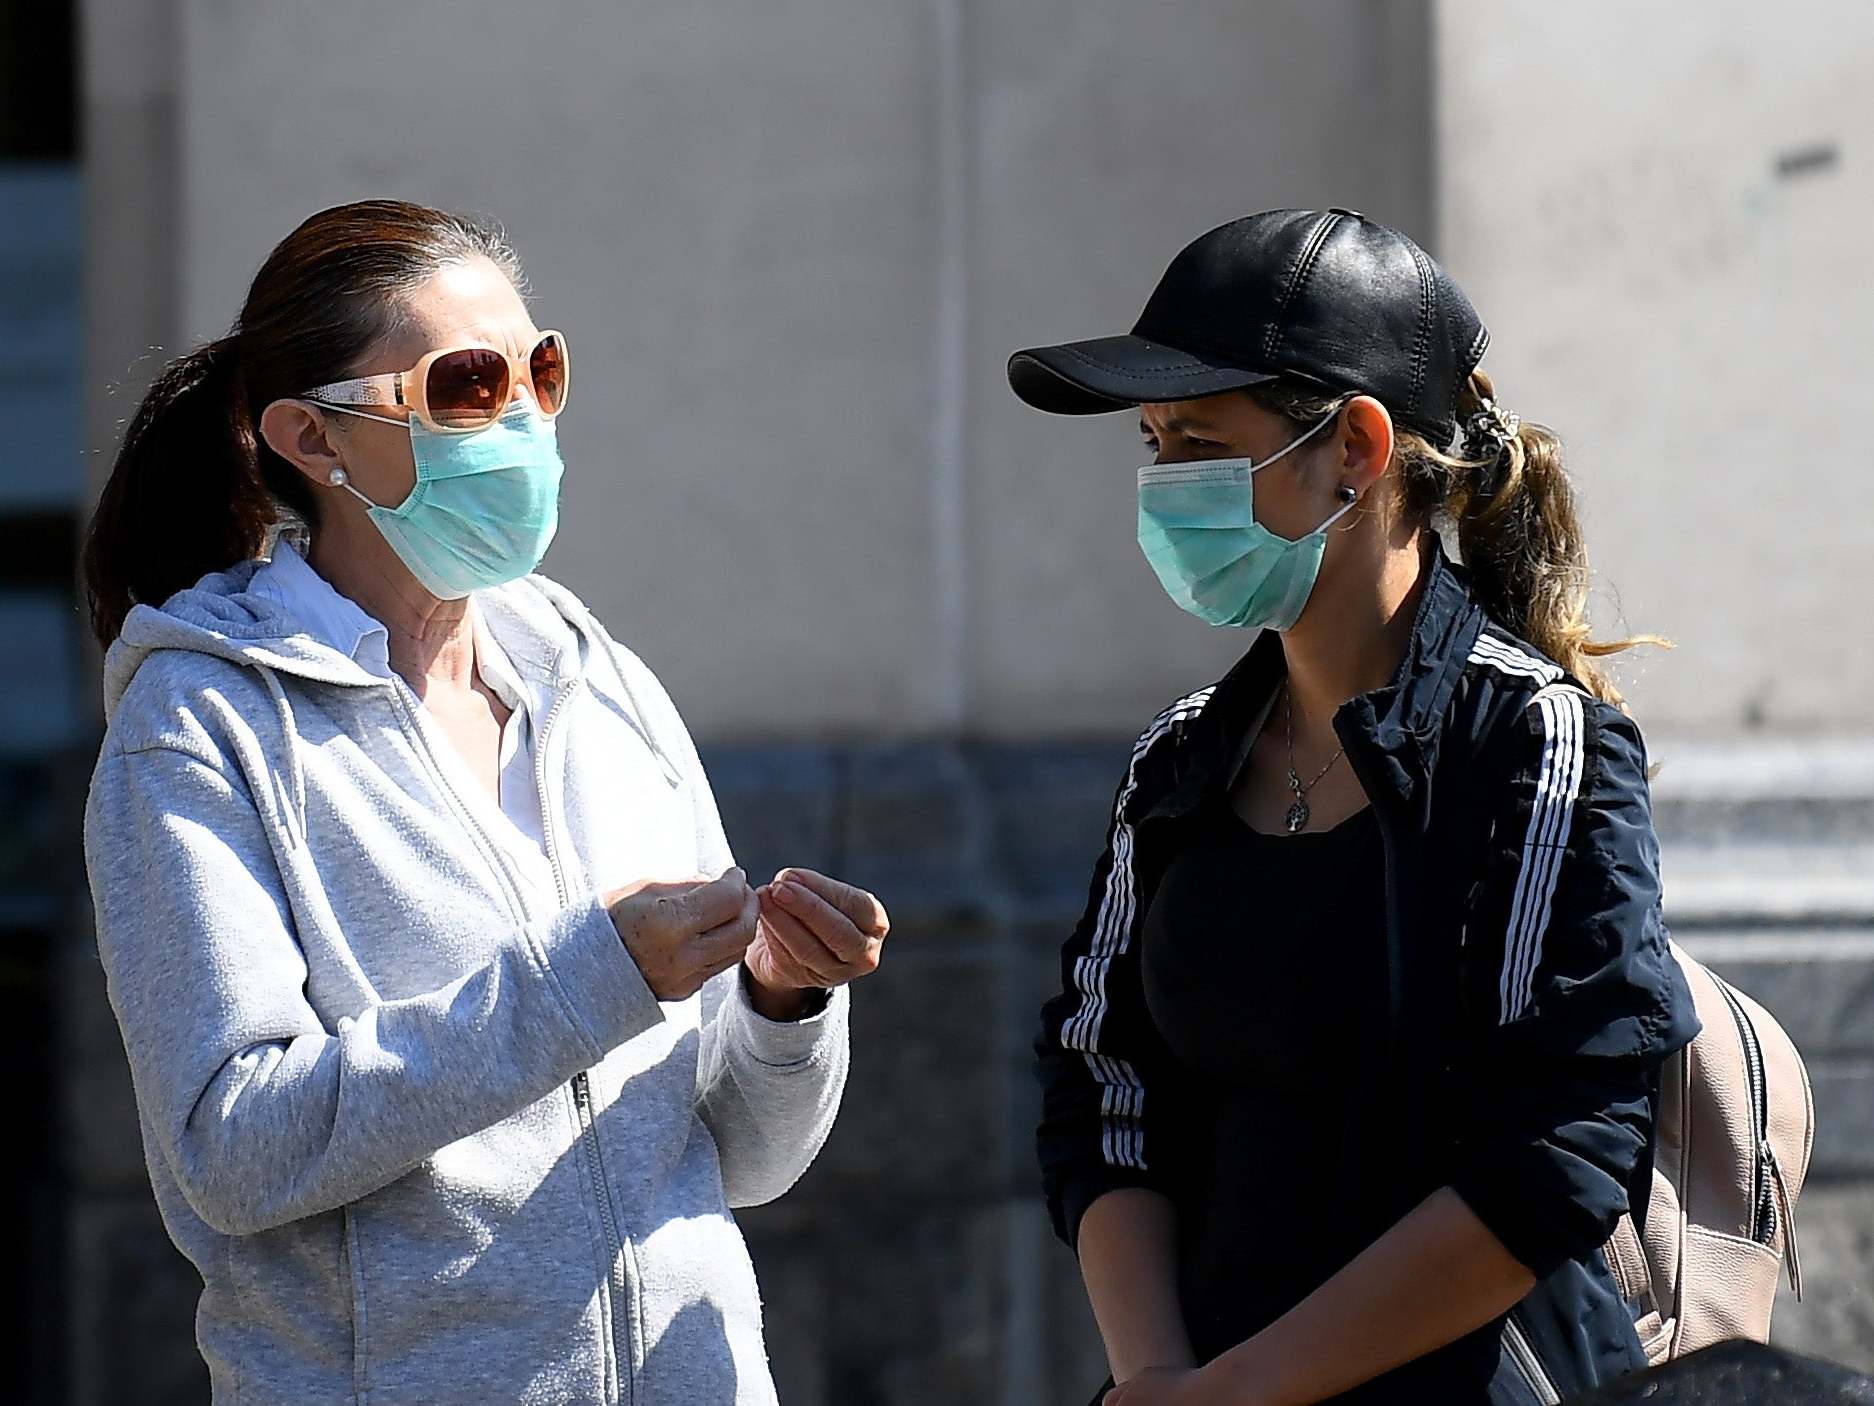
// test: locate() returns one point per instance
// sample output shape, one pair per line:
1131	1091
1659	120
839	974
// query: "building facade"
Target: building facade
792	245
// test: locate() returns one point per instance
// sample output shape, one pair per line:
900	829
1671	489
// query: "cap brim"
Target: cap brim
1117	373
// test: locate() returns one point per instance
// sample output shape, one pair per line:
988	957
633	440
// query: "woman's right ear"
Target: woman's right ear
303	437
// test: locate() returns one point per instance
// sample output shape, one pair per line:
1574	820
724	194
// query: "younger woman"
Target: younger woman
1356	1059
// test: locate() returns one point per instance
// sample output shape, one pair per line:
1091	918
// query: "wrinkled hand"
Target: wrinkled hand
681	934
1161	1386
815	933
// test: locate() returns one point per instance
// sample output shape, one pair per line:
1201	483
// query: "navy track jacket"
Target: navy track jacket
1532	995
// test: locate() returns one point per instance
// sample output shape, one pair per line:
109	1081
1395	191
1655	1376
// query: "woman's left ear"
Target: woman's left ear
293	431
1366	437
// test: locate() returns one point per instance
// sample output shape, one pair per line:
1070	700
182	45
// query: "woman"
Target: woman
1356	1061
454	1034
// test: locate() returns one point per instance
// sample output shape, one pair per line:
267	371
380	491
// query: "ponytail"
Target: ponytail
184	497
1510	506
194	488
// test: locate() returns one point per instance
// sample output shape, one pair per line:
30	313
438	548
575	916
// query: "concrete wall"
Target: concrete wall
1662	213
793	244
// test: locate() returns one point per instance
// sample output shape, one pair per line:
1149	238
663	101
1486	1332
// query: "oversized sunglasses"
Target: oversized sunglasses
460	390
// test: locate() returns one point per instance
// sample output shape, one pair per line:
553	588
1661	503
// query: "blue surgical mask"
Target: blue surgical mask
1198	529
485	506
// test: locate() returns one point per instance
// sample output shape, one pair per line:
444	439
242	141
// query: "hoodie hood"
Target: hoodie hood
546	632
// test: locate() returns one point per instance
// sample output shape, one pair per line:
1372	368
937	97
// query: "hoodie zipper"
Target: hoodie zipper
407	704
1528	1365
616	1287
613	1289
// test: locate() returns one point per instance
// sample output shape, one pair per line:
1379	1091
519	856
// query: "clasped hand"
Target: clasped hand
802	932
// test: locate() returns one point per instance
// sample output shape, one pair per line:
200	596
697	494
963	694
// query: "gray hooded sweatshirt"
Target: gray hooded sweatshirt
420	1123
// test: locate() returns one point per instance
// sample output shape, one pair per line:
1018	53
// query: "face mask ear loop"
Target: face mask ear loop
1302	438
1339	513
359	496
340	479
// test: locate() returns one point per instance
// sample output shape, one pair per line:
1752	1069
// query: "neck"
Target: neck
1357	626
431	641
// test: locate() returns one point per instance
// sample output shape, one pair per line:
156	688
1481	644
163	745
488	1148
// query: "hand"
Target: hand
815	933
1161	1386
682	934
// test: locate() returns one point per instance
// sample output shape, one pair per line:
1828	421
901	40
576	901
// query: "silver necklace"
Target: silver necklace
1298	811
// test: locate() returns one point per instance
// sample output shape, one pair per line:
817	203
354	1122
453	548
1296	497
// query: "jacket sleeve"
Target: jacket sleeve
769	1091
1106	1090
262	1113
1572	998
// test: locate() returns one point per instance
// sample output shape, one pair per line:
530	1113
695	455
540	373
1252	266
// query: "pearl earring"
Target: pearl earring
338	478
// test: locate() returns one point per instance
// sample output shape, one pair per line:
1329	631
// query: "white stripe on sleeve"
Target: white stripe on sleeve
1558	787
1122	1093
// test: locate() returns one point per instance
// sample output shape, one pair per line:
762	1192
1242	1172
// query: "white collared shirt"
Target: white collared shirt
339	623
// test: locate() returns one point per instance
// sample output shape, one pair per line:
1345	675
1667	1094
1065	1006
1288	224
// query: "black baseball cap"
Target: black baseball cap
1329	298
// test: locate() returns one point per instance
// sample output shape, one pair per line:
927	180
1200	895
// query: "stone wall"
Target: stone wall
913	1264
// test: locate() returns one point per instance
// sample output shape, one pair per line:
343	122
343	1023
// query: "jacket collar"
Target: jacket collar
1398	725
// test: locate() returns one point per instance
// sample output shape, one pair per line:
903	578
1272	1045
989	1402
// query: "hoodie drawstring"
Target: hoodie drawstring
635	720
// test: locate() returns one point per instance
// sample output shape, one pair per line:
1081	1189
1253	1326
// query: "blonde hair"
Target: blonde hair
1503	494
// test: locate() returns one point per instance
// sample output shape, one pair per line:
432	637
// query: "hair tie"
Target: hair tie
1489	433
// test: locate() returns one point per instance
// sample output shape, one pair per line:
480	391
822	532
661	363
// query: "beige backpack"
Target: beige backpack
1736	1122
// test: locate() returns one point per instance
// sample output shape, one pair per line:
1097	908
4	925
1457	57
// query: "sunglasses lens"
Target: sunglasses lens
468	388
547	366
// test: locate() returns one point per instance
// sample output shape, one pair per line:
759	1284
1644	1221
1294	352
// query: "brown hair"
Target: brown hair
1510	505
194	488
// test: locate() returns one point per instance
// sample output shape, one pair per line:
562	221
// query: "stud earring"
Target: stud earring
338	478
1347	495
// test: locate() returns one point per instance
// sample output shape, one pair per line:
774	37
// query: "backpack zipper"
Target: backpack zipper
1529	1366
1762	1226
1769	1190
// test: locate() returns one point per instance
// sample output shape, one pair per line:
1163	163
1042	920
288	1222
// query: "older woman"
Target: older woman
454	1034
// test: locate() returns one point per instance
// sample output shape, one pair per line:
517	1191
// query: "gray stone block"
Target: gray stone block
1844	1118
924	1115
1052	804
1818	984
936	1304
915	828
1076	1356
1835	1319
100	1148
800	1318
1820	988
130	1325
780	805
957	1303
1719	822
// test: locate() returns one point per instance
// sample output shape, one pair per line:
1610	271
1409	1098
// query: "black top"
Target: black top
1264	969
1525	1036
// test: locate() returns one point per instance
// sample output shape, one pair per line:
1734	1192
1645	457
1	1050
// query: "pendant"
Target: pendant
1297	816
